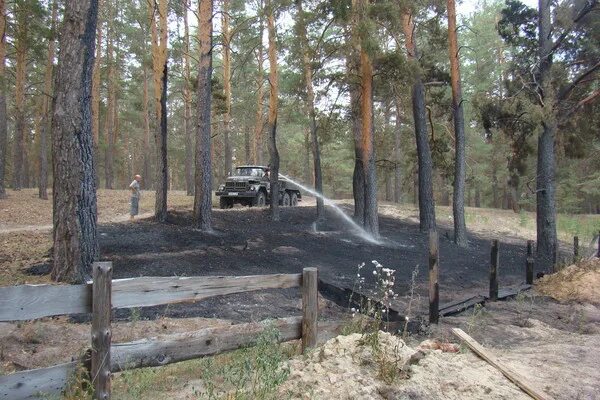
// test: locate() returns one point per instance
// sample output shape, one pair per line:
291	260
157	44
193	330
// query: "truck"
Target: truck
249	186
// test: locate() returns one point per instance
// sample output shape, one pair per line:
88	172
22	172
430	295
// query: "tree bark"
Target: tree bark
96	89
458	195
3	133
546	249
398	153
226	88
273	109
187	99
44	118
426	201
352	72
159	62
109	124
74	189
371	219
259	122
203	179
310	103
247	147
147	175
306	159
19	167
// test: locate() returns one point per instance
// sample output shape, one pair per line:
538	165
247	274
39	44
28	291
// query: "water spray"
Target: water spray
359	230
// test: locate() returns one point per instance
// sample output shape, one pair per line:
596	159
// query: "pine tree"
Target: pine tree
203	180
74	189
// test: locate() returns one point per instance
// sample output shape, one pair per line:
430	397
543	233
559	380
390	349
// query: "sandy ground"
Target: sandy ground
578	282
347	368
24	211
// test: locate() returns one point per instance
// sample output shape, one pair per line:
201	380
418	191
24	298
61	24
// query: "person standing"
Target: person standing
135	196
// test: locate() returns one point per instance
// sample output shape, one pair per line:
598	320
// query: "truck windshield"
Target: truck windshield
249	172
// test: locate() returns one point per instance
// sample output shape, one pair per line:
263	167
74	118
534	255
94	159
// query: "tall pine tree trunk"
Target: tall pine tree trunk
259	122
3	133
425	192
398	153
247	147
44	124
96	89
371	219
146	167
458	196
226	88
109	125
158	11
19	161
310	103
352	72
187	99
203	180
273	109
546	249
74	189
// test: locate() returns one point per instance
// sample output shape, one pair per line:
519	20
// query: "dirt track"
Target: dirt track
246	242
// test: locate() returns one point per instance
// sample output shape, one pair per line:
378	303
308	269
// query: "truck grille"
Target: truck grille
237	186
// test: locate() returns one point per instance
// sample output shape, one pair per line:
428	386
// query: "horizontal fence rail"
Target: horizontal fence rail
25	302
37	383
160	351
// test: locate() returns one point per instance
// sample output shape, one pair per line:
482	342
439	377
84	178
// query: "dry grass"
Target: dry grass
24	208
20	250
25	227
504	223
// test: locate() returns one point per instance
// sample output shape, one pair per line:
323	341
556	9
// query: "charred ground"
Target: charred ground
247	242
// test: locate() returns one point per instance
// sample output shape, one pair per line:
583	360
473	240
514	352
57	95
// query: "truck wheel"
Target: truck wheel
260	200
294	199
286	202
223	203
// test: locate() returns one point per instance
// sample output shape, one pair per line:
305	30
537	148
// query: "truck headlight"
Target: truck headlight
221	188
253	188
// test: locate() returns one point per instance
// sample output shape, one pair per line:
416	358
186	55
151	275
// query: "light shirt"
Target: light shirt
135	185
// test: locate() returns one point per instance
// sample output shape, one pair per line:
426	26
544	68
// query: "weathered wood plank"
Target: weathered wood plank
24	302
152	291
460	306
101	330
36	383
310	308
207	342
516	378
505	293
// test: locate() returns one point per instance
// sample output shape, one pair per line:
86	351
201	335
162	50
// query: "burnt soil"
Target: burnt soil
246	242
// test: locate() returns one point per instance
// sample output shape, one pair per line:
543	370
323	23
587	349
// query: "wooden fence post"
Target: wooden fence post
495	255
101	329
310	307
434	288
575	248
529	263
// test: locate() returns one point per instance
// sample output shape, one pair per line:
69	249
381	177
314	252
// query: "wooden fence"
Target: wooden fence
26	302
